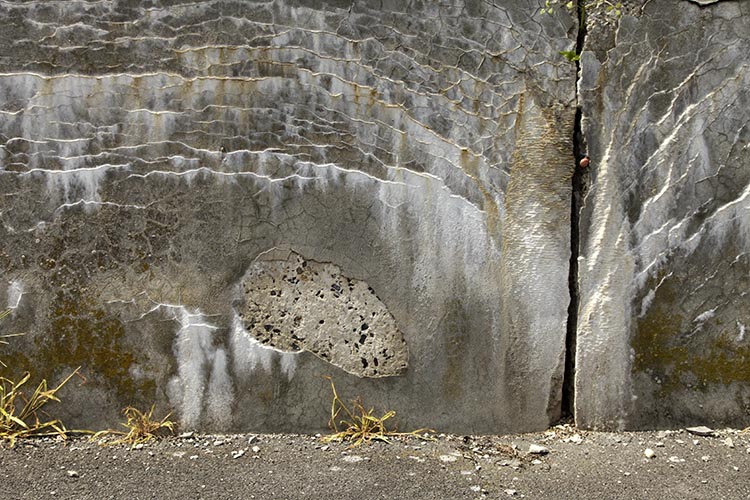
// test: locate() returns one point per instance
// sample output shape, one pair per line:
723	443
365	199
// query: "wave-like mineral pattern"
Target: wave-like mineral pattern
151	151
665	268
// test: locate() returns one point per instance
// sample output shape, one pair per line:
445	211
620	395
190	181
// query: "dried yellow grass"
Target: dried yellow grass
141	428
20	415
358	425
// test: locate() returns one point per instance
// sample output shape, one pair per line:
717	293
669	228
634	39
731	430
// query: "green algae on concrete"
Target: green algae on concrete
81	334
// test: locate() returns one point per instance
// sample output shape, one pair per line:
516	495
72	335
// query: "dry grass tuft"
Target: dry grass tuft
19	415
359	425
141	428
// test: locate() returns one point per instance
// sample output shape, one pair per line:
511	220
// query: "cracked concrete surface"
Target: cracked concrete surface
664	269
421	152
151	153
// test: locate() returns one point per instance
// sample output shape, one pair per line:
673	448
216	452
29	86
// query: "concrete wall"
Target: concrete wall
167	167
665	273
211	205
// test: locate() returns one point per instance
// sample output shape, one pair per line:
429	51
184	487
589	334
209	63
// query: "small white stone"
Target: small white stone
352	459
536	461
705	458
186	435
218	442
575	439
649	453
138	446
700	430
476	488
696	442
537	449
736	468
254	439
448	458
510	493
238	453
72	473
193	457
659	444
728	441
675	459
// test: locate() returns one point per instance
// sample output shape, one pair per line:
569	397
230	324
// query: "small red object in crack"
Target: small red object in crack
584	162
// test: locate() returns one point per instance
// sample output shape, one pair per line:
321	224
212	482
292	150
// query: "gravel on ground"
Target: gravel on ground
561	463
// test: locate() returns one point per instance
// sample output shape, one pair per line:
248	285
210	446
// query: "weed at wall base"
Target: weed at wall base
141	428
20	415
358	425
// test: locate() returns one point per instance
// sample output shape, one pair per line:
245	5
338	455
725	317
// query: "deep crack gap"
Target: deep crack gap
579	152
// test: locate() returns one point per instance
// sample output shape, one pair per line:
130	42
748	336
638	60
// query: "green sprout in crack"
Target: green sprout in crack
613	9
571	55
551	5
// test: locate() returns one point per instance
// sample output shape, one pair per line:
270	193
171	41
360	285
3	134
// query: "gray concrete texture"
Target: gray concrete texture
189	188
664	266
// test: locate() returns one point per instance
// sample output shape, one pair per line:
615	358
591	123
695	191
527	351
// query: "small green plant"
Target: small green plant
612	8
359	425
141	428
571	55
19	414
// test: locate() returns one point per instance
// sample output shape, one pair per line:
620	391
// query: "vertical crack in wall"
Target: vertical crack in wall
579	152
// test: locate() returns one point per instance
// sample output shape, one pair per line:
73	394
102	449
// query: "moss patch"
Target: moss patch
670	349
81	334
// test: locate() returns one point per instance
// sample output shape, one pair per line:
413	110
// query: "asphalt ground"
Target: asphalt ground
570	464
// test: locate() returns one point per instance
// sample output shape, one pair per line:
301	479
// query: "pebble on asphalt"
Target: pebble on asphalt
649	453
537	449
701	430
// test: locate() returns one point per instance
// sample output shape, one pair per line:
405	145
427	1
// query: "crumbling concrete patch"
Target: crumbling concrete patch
294	304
